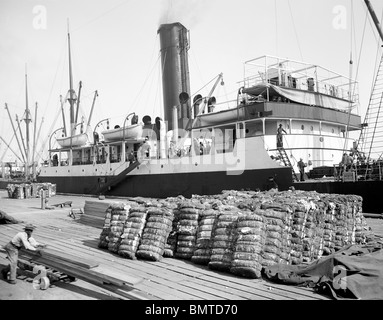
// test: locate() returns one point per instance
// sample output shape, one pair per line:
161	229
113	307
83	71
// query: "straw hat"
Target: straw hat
30	227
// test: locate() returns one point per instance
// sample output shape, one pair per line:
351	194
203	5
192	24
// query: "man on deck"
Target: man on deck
21	240
280	132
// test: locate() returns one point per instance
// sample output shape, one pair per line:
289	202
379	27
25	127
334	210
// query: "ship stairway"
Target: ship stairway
287	162
371	137
117	179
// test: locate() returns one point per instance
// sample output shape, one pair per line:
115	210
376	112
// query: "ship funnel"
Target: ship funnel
175	72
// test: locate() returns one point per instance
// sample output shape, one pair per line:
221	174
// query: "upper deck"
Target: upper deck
300	82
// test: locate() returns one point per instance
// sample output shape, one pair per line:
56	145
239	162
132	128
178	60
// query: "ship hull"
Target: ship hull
369	190
170	185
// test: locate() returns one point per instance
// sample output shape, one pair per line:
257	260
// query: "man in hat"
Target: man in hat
280	132
302	166
21	240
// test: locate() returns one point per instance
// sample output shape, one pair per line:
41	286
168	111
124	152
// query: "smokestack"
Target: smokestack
175	72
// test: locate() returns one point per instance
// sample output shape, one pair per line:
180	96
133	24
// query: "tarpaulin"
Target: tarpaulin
354	272
7	219
301	96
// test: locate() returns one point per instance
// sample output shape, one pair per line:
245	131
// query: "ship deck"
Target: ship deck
169	279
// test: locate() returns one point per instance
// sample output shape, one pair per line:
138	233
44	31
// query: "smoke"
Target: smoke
186	12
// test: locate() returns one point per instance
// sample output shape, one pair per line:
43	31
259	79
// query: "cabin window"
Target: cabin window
311	128
86	156
115	153
225	139
202	143
101	155
254	129
76	157
302	127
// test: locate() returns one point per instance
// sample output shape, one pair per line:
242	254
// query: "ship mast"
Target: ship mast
72	95
27	121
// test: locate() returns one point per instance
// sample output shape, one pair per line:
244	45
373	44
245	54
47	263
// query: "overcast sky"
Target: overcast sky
115	50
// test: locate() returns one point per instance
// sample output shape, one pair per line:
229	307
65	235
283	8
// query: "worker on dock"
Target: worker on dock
21	240
301	167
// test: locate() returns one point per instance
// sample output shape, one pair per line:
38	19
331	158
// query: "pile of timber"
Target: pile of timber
94	212
242	231
84	269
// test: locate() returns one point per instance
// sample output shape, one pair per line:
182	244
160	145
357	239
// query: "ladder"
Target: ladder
286	161
371	136
117	179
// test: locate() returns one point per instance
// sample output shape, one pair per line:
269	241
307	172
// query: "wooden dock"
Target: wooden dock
169	279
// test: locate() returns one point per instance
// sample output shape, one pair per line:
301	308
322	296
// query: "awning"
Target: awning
301	96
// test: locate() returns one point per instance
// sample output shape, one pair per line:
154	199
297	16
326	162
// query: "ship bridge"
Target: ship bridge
277	79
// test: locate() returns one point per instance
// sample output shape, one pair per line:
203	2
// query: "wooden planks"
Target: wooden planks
94	212
59	256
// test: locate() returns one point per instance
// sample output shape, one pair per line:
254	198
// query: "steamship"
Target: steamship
204	146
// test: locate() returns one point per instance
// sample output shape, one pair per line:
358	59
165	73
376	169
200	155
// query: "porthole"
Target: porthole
312	128
321	139
302	127
332	130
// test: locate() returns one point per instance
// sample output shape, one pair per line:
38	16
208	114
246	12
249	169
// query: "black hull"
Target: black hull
371	191
171	185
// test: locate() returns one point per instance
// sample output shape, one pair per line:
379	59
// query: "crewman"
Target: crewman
280	132
302	166
21	240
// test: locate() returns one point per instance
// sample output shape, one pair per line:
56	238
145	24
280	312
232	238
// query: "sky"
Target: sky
115	50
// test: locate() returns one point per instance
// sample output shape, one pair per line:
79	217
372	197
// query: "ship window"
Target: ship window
312	128
254	129
332	130
225	139
302	127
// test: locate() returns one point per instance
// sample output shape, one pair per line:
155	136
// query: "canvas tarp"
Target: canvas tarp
355	272
301	96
